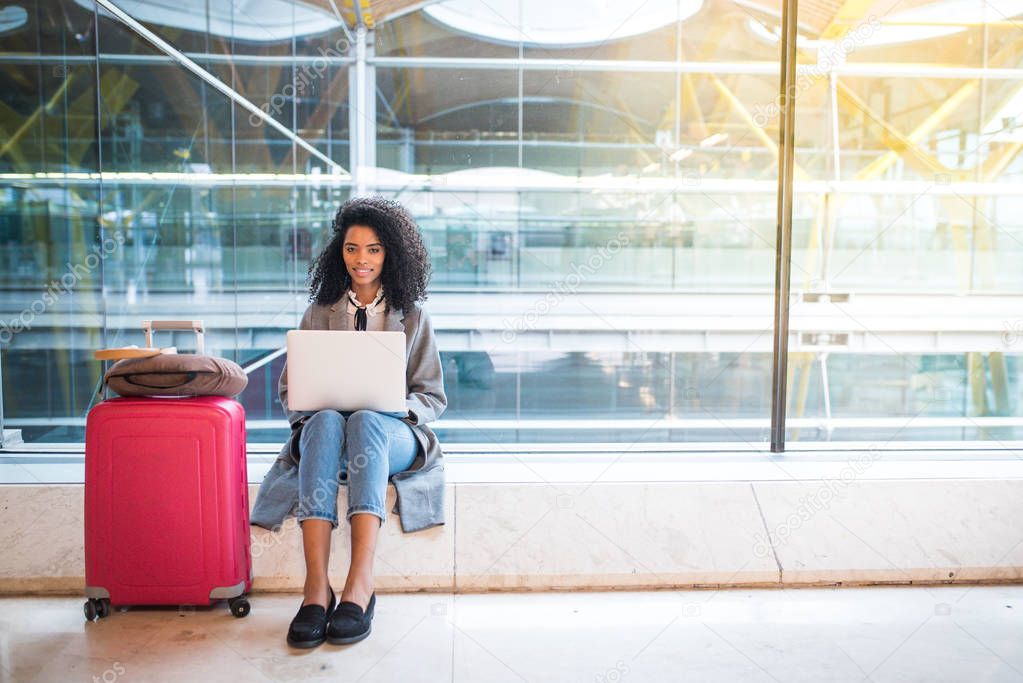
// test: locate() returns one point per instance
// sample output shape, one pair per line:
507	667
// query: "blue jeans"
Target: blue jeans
365	446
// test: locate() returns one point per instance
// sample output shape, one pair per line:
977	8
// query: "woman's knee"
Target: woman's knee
322	434
366	431
365	419
365	441
324	421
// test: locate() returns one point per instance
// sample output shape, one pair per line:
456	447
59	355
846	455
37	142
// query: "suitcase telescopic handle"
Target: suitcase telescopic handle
196	325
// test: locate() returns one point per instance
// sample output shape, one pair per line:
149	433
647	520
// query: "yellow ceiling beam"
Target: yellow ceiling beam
851	12
875	168
925	160
747	118
368	15
689	95
30	121
999	161
925	128
364	9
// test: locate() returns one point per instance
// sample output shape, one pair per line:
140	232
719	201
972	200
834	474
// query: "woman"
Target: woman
370	276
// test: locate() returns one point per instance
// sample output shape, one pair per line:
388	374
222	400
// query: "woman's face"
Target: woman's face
364	255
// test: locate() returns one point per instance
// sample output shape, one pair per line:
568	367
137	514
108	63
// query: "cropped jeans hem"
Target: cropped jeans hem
356	509
326	516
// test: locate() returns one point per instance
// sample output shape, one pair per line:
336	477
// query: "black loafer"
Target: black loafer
349	623
309	627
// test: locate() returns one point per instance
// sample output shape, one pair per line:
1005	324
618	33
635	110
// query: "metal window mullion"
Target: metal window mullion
855	69
521	88
783	245
826	392
98	128
234	204
357	116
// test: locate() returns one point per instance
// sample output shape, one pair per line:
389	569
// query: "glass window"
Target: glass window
597	188
901	322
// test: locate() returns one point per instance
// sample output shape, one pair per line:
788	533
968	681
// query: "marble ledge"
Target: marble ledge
606	536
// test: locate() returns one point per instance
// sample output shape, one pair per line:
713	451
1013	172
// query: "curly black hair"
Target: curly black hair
406	271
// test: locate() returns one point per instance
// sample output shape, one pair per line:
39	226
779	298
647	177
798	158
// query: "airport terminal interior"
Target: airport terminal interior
597	184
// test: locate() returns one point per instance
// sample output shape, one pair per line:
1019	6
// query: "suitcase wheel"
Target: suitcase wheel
239	606
96	608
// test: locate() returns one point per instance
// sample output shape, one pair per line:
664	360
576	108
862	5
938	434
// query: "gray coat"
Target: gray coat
420	488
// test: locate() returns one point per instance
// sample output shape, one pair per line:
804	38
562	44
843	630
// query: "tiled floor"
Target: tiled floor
947	633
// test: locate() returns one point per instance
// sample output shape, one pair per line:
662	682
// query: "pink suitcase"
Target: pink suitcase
166	504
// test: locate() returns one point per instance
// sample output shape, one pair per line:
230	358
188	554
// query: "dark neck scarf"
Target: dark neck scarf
360	311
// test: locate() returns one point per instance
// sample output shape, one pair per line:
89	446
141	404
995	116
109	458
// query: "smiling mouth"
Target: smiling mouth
363	271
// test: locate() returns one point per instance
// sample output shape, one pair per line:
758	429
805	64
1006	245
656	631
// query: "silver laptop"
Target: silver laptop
347	370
